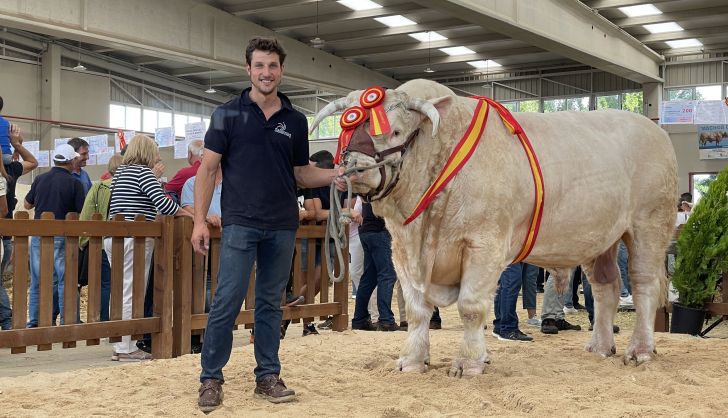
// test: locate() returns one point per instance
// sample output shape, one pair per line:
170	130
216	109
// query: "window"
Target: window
608	102
149	120
117	116
554	105
165	120
699	183
512	106
580	104
528	106
179	124
680	94
207	123
708	93
133	118
632	101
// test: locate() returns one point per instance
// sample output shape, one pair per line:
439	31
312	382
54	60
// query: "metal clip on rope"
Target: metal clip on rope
335	229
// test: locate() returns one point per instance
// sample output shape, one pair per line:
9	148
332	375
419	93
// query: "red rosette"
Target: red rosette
372	97
352	117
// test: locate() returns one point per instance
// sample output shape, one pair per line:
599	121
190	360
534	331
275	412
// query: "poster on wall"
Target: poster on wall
60	141
97	143
180	150
677	112
713	142
164	137
122	138
195	131
710	112
43	158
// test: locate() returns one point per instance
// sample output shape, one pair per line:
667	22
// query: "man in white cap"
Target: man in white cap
56	191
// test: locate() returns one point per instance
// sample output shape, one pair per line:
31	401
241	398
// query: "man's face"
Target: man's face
81	161
265	71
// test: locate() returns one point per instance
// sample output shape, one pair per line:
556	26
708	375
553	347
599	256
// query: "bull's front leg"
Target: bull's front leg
476	291
415	355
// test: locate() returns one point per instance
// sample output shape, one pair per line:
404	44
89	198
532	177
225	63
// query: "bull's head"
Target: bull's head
373	162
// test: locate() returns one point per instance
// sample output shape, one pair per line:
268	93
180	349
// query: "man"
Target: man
194	158
262	144
14	170
59	192
80	146
552	309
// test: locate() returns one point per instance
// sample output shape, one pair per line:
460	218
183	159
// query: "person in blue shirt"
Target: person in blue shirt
261	143
7	157
81	147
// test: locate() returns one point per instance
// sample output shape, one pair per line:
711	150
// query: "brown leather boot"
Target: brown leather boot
272	389
210	395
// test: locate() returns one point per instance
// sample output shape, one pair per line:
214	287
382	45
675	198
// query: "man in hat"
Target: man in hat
56	191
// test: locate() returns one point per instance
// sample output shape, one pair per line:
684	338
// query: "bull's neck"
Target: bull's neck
425	159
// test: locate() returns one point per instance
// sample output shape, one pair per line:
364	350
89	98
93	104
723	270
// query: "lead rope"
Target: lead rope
339	218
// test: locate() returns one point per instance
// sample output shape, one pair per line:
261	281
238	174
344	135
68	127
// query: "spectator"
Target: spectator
136	191
194	158
59	192
255	136
378	272
14	170
97	201
81	147
552	311
7	156
505	324
6	314
529	278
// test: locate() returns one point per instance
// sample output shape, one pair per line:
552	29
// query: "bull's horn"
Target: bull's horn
428	109
332	107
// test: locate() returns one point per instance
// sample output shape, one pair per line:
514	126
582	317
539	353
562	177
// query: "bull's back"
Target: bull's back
601	170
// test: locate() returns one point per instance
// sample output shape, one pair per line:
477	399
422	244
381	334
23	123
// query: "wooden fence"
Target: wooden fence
92	330
179	283
190	272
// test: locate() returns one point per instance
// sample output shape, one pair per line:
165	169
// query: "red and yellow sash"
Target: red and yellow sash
464	150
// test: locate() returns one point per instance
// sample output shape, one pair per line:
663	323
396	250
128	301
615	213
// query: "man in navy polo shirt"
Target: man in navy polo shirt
262	144
59	192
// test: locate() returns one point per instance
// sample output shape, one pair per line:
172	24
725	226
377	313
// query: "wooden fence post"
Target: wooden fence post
71	292
21	277
341	291
163	289
182	277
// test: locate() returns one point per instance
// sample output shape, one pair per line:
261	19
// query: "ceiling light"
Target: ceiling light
663	27
395	21
684	43
429	53
428	36
210	90
641	10
79	67
457	50
429	70
484	64
359	4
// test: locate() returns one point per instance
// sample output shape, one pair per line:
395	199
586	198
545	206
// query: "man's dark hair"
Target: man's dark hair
77	143
1	103
323	159
686	197
262	43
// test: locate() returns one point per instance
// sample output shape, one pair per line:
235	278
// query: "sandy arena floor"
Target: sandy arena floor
351	374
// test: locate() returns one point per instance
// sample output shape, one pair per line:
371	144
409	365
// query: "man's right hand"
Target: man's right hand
200	238
15	136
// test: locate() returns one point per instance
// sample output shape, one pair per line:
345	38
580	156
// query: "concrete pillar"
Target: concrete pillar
50	108
652	99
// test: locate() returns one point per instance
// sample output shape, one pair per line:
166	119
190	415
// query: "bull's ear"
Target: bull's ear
442	104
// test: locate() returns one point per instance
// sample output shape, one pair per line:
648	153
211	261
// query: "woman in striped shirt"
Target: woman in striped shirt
135	190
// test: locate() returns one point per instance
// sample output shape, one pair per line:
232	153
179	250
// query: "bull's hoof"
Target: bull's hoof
604	350
410	366
467	368
639	355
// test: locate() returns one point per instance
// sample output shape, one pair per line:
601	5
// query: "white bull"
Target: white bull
609	175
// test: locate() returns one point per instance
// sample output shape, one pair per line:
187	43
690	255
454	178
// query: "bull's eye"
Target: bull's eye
395	133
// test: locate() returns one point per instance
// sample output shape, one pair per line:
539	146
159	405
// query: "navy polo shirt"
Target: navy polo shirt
258	156
56	191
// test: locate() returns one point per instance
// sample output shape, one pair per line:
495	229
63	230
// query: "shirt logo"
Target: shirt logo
281	129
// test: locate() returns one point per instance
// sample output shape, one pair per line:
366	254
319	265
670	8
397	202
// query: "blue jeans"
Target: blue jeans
105	286
241	246
59	269
6	314
622	257
379	273
506	296
528	284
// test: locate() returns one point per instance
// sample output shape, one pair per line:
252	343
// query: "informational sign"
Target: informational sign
91	159
32	146
713	142
122	138
103	158
164	137
43	157
711	112
59	141
678	112
194	131
97	143
180	150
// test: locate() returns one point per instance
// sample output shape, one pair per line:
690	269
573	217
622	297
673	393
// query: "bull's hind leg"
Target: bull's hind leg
415	353
603	275
647	280
476	291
